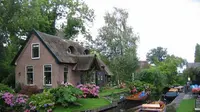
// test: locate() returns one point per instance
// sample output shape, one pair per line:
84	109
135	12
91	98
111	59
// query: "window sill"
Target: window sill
30	84
36	58
47	85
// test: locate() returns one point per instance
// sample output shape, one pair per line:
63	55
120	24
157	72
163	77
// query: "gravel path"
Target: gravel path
188	96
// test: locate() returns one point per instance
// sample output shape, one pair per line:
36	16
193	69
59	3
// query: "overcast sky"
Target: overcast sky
173	24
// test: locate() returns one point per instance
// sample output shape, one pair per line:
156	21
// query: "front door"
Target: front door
100	76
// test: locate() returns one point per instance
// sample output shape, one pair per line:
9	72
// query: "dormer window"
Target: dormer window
86	52
35	50
71	50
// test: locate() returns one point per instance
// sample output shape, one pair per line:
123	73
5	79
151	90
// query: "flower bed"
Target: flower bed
89	90
12	102
64	95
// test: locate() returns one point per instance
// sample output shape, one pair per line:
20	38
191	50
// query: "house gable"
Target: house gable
32	35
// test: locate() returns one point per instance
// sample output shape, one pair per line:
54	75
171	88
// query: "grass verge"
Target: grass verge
186	105
86	104
108	92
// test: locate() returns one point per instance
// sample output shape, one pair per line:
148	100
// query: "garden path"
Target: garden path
188	95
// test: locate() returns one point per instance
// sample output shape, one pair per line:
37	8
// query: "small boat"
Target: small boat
180	88
137	97
171	94
173	90
157	106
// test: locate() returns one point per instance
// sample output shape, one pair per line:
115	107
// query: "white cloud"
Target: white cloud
173	24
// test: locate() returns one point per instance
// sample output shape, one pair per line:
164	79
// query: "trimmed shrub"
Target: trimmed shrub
18	87
42	101
65	95
5	88
29	90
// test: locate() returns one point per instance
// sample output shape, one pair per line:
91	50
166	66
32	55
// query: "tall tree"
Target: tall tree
197	53
156	55
124	66
19	17
169	66
116	36
117	41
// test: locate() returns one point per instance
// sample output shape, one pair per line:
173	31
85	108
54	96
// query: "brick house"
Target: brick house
45	60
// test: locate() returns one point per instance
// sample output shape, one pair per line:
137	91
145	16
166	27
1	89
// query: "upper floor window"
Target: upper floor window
35	51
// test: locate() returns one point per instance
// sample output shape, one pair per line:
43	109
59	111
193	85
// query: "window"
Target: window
98	77
65	74
35	51
47	74
29	74
71	50
101	77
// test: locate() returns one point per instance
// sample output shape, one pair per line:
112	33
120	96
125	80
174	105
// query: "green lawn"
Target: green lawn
110	91
88	103
186	105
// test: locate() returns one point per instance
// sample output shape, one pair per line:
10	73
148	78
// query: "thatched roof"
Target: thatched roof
58	47
105	68
87	62
84	62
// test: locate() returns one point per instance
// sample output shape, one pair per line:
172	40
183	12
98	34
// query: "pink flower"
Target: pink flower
8	97
27	110
89	90
79	86
50	110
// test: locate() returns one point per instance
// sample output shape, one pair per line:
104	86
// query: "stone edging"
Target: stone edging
107	107
114	104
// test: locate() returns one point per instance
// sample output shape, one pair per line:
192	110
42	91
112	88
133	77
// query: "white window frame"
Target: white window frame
32	51
44	76
27	77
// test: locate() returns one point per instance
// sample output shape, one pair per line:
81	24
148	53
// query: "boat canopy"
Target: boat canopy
173	90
